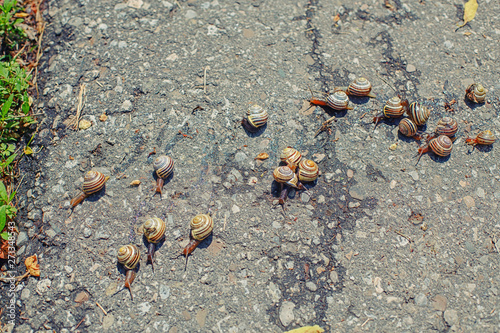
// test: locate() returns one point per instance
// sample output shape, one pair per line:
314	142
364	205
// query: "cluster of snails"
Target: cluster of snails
296	171
154	231
338	100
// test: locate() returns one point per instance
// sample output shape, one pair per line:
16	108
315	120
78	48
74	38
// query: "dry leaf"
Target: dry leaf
470	9
84	124
215	247
32	265
394	146
307	329
262	156
103	117
28	150
135	182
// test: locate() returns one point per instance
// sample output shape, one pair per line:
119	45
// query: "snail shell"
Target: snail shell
441	146
338	100
129	255
163	165
395	107
201	226
285	175
483	138
407	127
360	87
257	116
447	126
291	156
418	113
308	171
93	182
154	229
476	93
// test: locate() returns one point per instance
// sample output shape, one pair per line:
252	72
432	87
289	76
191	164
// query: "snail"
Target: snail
418	113
408	128
445	126
441	146
154	231
256	117
291	157
201	227
394	108
286	177
337	101
163	165
483	138
360	87
129	256
476	93
308	171
93	182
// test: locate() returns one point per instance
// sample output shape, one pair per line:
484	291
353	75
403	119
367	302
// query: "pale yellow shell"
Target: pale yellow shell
201	226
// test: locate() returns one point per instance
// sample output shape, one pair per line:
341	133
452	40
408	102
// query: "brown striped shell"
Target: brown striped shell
257	116
447	126
418	113
360	87
483	138
93	182
476	93
201	226
163	165
441	145
338	100
154	229
394	108
407	127
129	256
285	175
290	156
308	171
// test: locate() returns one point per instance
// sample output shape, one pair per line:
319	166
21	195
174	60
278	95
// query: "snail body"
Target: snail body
476	93
291	157
408	128
163	166
154	231
360	87
202	226
308	171
393	108
483	138
93	182
256	117
129	256
418	113
442	146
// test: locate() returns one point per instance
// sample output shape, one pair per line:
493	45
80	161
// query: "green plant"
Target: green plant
7	156
10	33
7	211
14	118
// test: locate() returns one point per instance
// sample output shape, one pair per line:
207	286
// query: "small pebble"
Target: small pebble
87	232
410	68
286	313
414	175
311	286
469	201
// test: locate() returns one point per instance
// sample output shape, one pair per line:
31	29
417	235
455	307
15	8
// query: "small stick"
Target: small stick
178	4
100	307
81	321
324	126
205	80
363	115
367	320
79	107
403	235
225	220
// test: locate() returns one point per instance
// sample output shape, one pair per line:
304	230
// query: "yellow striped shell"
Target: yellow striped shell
476	93
154	229
338	100
308	171
285	175
418	113
201	226
163	165
257	116
441	146
394	108
360	87
483	138
447	126
407	127
129	256
93	182
290	156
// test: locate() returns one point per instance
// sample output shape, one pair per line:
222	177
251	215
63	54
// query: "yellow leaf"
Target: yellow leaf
32	265
470	9
28	150
307	329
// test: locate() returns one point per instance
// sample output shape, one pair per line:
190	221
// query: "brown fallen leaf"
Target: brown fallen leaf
135	182
470	9
32	265
307	329
103	117
262	156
